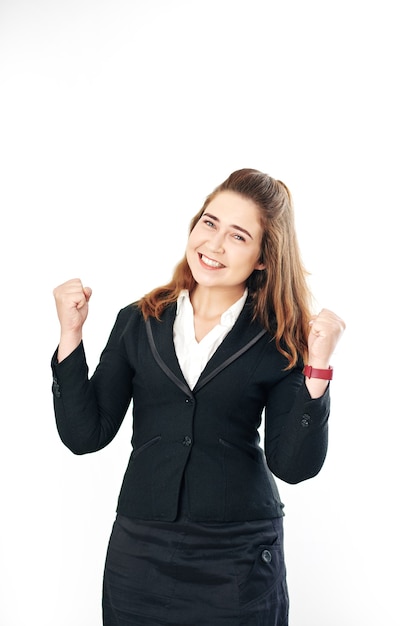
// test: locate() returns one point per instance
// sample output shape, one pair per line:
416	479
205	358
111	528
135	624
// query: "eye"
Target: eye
238	237
208	223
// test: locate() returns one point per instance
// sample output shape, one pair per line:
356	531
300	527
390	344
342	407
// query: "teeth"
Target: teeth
210	262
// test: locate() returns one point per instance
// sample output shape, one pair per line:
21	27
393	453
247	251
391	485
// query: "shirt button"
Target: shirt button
266	556
187	441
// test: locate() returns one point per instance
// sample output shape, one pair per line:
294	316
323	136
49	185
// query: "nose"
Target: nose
216	242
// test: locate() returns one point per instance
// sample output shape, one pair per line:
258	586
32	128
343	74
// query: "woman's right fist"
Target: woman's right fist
71	299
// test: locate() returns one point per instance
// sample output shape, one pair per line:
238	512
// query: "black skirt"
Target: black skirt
184	573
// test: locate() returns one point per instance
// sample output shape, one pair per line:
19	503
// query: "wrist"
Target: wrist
67	344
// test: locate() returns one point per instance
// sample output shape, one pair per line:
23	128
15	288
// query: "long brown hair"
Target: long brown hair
280	296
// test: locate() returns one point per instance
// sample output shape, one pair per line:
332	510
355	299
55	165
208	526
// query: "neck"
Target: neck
210	303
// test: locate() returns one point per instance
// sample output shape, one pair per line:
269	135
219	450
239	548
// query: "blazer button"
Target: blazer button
266	556
55	388
305	422
186	441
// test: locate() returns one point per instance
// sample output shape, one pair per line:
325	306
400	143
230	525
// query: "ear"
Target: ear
260	266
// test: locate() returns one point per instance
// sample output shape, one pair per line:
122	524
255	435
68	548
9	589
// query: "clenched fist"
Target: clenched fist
71	299
326	329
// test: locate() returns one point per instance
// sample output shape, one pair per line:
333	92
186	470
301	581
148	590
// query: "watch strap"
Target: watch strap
314	372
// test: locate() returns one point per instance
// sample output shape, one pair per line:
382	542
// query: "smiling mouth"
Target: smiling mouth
210	262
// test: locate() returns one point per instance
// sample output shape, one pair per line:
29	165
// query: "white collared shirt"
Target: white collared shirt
191	354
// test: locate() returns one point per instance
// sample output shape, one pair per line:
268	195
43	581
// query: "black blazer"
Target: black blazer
207	438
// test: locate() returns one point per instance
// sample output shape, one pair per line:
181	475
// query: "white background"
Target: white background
117	118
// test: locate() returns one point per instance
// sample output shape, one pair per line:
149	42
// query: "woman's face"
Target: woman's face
224	247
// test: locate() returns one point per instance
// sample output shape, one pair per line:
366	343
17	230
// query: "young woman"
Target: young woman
198	536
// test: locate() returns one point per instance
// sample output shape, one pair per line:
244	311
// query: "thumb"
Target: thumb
87	292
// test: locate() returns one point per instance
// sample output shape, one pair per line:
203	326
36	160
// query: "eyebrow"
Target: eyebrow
216	219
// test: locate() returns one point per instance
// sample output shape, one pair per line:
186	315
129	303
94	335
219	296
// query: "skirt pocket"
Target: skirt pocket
267	574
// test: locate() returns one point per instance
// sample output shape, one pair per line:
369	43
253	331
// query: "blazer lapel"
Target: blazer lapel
161	340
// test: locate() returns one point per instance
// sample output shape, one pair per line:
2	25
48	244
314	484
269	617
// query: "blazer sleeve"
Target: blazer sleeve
296	429
89	412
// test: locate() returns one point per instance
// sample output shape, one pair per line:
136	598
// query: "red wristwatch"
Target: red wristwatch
313	372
